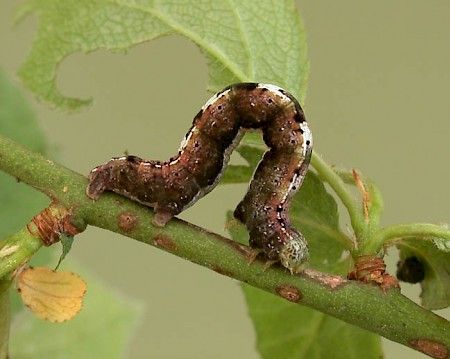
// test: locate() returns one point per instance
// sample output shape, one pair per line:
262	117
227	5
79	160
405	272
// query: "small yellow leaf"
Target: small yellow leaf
53	296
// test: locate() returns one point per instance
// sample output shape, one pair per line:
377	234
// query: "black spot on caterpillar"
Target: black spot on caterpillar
174	185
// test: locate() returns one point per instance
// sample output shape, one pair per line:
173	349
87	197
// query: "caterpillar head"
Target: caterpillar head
294	253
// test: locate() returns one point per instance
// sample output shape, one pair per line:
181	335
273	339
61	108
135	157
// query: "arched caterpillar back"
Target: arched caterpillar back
174	185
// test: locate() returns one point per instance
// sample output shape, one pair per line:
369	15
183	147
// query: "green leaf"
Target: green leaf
242	40
443	244
101	330
314	211
436	265
287	330
66	242
17	121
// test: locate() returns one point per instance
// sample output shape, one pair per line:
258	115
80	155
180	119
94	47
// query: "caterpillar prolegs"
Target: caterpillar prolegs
174	185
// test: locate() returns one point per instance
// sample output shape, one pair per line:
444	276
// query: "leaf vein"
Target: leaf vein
177	27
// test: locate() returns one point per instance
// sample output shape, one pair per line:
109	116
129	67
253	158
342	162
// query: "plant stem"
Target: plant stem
375	210
23	245
387	313
327	174
398	231
4	317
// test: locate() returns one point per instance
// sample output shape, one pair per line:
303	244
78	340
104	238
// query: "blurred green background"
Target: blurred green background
377	101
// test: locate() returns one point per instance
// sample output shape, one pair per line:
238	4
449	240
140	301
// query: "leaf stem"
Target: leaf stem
328	174
400	231
4	317
387	313
376	209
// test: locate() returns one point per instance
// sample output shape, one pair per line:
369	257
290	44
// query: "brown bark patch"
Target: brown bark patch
332	281
289	292
164	241
128	222
430	347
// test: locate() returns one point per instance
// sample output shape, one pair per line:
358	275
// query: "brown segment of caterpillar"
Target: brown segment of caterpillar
174	185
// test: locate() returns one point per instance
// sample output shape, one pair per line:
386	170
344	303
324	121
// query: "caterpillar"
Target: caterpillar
174	185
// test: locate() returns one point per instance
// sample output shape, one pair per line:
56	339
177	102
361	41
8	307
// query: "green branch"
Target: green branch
4	318
389	313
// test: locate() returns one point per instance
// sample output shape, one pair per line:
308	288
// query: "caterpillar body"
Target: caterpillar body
174	185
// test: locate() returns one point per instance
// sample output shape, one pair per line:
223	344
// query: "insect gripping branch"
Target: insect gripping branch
174	185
